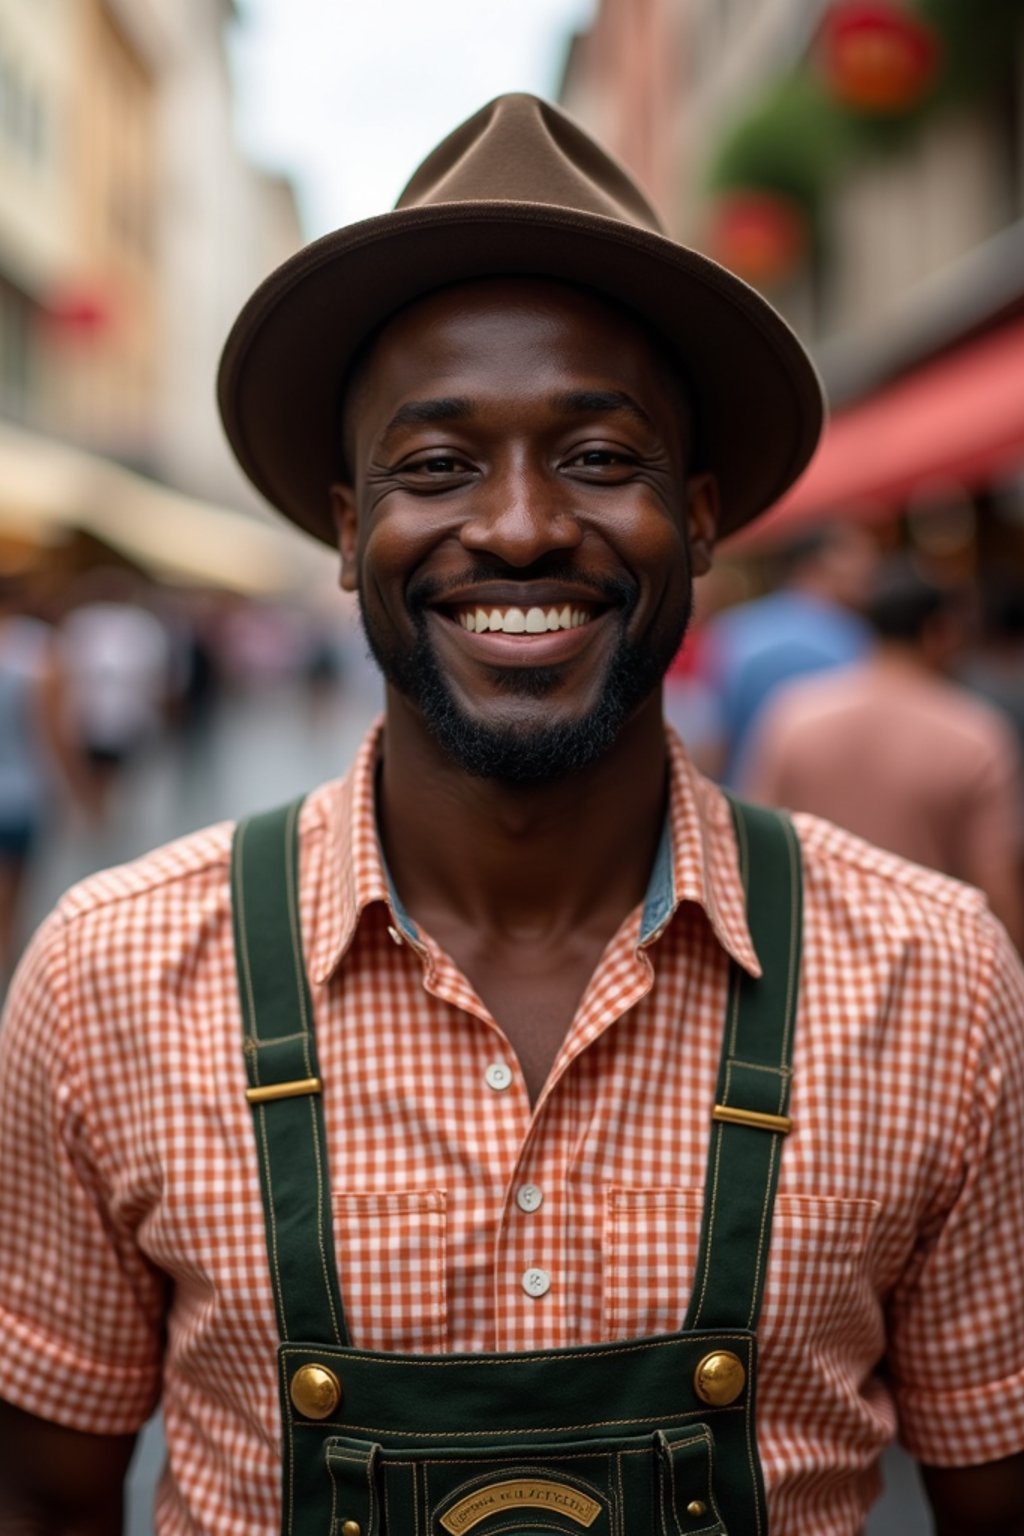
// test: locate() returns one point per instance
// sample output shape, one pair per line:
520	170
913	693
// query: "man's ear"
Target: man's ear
343	509
701	520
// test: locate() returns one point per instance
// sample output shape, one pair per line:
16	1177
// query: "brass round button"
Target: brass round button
351	1528
696	1507
315	1391
720	1378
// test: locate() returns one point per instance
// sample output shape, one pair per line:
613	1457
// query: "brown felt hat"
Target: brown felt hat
518	189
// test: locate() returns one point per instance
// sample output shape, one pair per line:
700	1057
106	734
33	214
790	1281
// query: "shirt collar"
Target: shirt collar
696	862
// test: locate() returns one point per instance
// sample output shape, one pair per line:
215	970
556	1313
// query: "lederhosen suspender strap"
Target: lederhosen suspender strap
750	1115
284	1078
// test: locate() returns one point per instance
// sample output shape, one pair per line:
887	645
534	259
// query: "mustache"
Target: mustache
619	592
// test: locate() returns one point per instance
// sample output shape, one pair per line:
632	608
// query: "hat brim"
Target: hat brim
758	401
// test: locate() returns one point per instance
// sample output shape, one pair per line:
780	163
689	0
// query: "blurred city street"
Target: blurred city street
173	655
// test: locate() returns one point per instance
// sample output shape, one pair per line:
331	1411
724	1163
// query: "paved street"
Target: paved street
259	751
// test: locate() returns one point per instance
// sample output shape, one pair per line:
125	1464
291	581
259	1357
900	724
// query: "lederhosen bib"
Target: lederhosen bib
639	1437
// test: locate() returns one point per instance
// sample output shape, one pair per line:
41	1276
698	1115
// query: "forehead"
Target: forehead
507	335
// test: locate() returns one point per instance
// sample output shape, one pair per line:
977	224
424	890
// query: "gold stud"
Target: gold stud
696	1507
351	1528
315	1391
719	1378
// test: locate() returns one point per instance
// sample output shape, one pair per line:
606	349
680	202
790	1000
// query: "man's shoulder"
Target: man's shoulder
871	883
180	869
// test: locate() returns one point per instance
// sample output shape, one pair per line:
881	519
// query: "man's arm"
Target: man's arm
966	1500
59	1482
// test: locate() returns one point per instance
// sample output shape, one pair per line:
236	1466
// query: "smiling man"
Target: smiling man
516	1135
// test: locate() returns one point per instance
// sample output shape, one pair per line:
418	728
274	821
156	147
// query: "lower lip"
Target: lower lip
525	650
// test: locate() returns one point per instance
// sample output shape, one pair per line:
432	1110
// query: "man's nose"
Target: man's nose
520	517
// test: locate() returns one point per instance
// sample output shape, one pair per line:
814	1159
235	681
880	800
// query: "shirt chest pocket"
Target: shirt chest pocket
391	1255
817	1265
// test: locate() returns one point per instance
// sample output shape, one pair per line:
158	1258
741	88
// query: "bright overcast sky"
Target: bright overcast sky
348	95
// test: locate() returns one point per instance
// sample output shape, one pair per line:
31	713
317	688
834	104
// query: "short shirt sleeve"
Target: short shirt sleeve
81	1310
956	1319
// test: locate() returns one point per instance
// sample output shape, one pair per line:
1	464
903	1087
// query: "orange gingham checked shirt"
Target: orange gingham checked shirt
129	1196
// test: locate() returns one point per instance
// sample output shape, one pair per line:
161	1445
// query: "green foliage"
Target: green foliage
790	142
796	137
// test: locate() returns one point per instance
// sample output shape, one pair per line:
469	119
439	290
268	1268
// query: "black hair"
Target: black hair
904	601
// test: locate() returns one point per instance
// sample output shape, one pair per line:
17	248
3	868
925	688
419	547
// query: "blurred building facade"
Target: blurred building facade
862	163
131	228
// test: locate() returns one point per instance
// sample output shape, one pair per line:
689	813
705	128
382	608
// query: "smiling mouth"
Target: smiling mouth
511	619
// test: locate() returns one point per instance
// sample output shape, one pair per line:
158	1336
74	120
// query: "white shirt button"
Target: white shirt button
536	1282
395	935
529	1198
498	1076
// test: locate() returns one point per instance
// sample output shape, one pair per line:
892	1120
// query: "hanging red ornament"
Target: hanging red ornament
760	235
876	55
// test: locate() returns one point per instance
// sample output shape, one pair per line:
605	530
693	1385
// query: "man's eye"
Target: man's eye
598	458
437	464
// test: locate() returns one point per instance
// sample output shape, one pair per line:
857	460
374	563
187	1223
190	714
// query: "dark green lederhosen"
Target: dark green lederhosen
632	1438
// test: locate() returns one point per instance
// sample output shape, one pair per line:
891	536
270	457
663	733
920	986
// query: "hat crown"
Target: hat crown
523	150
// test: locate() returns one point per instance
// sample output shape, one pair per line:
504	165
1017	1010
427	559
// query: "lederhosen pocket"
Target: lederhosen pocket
639	1437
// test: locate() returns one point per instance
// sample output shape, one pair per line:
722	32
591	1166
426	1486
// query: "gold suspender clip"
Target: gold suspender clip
724	1112
283	1090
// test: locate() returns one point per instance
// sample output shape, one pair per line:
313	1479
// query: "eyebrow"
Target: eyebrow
581	402
416	413
577	402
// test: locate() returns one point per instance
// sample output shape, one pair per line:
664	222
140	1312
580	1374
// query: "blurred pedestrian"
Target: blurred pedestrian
994	665
120	668
811	623
896	751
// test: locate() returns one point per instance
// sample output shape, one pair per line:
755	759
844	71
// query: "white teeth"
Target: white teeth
518	621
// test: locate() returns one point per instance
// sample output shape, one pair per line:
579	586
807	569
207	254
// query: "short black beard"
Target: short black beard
512	754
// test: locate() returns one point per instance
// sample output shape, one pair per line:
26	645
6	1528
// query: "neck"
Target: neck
517	860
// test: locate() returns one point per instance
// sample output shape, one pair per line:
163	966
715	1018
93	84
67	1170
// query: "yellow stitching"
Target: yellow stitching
751	1446
620	1509
293	926
759	1066
765	1213
264	1152
334	1490
744	853
239	894
686	1343
292	902
315	1131
717	1136
268	1042
371	1502
540	1429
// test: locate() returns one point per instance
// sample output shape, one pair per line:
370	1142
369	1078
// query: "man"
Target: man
894	751
811	623
447	1269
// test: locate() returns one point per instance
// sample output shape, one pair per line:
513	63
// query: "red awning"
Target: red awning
959	418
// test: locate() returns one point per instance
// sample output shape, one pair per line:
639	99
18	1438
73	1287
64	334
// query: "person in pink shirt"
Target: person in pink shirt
895	751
